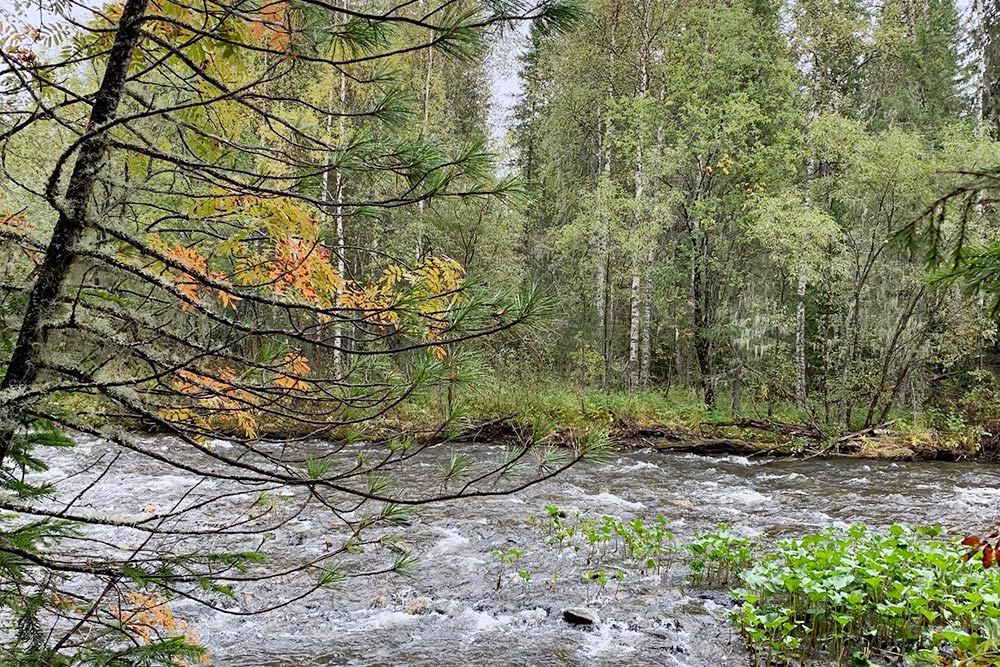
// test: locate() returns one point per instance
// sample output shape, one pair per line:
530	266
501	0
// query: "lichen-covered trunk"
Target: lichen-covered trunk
800	343
92	148
702	341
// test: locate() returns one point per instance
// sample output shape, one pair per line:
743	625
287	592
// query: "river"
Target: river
450	612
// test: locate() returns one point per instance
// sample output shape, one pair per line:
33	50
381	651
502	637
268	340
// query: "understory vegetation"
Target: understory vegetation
491	406
857	596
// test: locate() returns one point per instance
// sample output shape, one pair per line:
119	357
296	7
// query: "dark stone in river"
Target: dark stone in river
576	616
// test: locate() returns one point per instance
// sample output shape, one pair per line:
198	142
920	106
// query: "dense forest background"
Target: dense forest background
702	199
714	194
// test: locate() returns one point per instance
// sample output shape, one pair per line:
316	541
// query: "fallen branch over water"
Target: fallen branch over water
715	438
776	427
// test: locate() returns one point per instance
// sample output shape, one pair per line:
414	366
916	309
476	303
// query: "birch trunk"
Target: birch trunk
647	322
633	335
647	295
635	322
338	337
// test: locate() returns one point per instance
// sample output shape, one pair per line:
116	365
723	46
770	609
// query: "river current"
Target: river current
450	613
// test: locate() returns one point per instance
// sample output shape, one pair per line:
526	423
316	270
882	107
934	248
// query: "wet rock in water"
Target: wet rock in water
577	616
535	615
720	598
418	606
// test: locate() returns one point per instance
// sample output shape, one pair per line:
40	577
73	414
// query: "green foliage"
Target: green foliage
718	557
508	558
858	595
609	542
39	433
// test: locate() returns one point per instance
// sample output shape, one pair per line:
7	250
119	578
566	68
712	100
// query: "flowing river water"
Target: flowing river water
450	613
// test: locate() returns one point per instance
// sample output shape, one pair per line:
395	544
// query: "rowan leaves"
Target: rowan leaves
148	616
219	397
294	367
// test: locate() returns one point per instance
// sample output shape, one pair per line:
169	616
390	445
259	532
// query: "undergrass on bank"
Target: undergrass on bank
554	406
564	407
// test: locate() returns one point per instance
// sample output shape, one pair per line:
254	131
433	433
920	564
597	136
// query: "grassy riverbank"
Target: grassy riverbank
497	409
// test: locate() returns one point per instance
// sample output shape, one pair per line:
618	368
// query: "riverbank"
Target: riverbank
679	421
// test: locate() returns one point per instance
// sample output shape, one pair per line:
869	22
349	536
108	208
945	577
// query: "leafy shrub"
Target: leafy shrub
845	597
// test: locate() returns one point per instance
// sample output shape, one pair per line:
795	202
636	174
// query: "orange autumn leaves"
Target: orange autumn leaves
189	271
303	269
302	272
148	616
219	398
273	26
418	301
296	368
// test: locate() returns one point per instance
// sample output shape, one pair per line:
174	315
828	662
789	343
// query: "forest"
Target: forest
550	332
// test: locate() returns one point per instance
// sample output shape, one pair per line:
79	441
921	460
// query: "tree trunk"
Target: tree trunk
647	297
737	399
800	343
633	336
702	342
647	322
602	300
605	309
22	370
338	337
425	128
637	177
990	73
609	319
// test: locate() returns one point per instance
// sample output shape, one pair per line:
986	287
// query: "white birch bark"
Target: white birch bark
646	344
635	321
338	336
